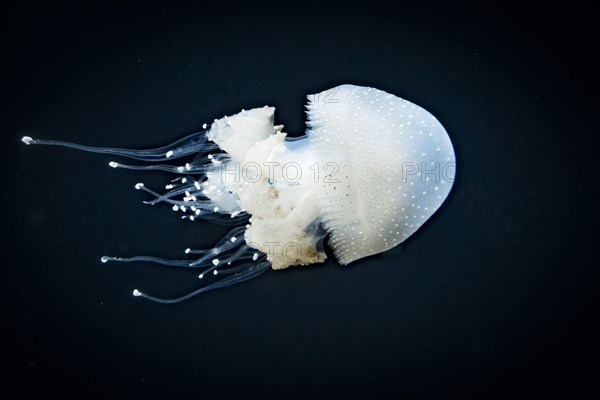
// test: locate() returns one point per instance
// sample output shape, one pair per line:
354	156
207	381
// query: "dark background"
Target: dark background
495	296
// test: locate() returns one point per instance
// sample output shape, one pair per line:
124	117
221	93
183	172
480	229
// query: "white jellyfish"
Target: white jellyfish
370	170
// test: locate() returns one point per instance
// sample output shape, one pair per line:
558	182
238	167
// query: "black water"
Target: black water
495	297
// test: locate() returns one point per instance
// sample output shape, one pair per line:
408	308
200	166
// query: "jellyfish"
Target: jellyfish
369	171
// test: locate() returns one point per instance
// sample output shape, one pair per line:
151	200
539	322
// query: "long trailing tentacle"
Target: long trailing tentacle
223	259
243	273
232	241
191	144
199	165
182	169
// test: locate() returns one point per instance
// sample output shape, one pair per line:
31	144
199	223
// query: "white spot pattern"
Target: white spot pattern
392	156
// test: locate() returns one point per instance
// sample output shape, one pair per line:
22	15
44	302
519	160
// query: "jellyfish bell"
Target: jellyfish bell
369	171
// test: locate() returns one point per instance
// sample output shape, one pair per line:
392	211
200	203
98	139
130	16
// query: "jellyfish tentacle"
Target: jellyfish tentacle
231	248
187	168
163	197
231	241
191	144
233	270
237	255
245	273
189	201
202	207
156	260
224	265
180	190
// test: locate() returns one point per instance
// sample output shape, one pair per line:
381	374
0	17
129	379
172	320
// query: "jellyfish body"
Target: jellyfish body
370	170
